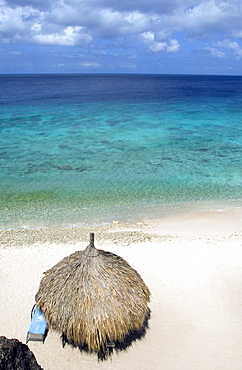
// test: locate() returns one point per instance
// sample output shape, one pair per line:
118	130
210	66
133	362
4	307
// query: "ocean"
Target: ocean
92	149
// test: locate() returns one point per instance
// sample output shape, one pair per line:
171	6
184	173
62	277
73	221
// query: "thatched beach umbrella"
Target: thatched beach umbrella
96	300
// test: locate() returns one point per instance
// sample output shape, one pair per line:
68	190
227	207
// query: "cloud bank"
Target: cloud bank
125	28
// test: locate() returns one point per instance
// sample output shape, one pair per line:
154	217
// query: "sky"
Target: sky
121	36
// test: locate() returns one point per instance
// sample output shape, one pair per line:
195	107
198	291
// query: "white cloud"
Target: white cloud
237	34
157	46
154	25
232	46
136	22
13	20
238	54
170	45
199	20
173	46
208	18
228	44
148	36
70	36
15	23
163	34
215	52
90	65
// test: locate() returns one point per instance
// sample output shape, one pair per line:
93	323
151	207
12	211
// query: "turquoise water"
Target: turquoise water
117	148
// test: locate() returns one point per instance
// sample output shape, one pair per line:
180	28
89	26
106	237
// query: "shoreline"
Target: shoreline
192	265
35	219
219	222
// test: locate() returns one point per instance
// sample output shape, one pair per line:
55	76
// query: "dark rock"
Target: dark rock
65	167
15	355
81	169
202	149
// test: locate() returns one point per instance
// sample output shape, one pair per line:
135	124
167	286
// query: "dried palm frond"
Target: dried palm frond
94	297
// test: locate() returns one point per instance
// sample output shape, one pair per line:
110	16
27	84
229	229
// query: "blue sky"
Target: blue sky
121	36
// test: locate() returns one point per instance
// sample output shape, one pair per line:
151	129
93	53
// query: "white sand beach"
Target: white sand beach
192	265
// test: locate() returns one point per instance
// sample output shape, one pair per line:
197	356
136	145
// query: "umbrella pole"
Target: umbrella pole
91	239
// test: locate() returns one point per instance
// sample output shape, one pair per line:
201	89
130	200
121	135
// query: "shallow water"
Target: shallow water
78	149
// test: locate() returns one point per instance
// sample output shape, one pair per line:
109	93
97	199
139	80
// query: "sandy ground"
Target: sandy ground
192	266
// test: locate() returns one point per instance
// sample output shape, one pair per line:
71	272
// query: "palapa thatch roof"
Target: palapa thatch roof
94	298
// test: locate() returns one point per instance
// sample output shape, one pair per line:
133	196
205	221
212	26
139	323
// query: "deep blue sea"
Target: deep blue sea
90	149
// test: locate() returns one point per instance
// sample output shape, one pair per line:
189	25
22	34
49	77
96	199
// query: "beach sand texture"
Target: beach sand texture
191	264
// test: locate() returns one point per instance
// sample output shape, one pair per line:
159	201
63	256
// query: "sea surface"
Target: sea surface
91	149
